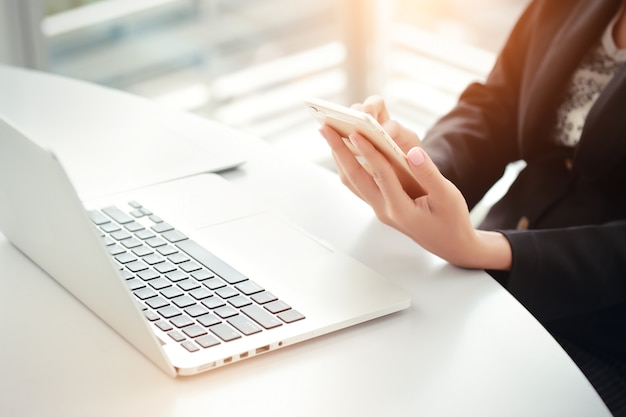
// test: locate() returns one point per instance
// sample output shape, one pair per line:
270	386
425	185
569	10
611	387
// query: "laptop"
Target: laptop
189	271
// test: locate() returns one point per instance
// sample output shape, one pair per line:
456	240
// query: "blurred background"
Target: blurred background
249	63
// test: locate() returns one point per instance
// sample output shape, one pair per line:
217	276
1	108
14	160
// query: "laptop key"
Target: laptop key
160	283
167	250
121	235
226	292
249	287
171	292
202	274
163	325
153	259
176	276
176	335
125	258
142	251
148	274
225	332
226	311
117	215
181	321
145	234
145	293
151	315
207	341
165	267
136	266
134	227
244	325
131	243
169	311
213	302
156	241
156	302
135	284
200	293
194	331
214	283
239	301
177	258
277	306
137	213
174	236
183	301
116	249
290	316
196	310
161	227
126	274
190	266
208	320
188	284
110	227
261	316
190	346
264	297
98	218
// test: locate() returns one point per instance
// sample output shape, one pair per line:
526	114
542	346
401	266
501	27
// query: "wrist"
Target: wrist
481	250
493	251
485	250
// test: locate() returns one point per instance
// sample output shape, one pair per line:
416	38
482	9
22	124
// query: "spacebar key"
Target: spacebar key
215	264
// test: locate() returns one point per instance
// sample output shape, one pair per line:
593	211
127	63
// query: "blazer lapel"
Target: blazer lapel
603	140
555	65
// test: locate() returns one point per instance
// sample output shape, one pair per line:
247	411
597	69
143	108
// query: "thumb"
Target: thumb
425	171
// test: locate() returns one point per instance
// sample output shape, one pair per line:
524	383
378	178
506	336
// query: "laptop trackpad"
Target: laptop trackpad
261	245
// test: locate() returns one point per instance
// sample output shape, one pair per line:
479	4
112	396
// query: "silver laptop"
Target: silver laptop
190	272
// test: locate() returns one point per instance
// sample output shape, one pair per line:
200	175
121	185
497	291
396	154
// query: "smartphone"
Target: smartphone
346	121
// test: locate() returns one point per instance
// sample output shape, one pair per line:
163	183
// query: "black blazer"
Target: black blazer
565	215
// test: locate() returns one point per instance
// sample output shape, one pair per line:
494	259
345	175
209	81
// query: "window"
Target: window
248	63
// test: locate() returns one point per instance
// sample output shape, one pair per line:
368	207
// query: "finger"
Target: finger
352	173
426	173
344	178
405	138
375	106
383	175
330	135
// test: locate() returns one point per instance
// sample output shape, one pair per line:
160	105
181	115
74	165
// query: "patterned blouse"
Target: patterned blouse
593	74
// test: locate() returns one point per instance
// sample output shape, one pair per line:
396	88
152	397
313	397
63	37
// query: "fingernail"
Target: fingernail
323	133
416	156
354	141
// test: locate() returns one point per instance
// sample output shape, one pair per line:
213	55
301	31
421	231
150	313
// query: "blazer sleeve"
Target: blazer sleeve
559	273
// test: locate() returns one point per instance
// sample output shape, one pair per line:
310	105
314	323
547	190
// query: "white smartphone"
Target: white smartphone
346	121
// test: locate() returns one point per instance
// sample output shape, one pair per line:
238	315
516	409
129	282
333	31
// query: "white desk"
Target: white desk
464	348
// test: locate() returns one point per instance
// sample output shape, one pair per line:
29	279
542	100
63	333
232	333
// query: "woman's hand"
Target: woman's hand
438	221
404	137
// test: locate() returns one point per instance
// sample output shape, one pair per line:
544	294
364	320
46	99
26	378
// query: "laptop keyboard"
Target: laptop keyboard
187	292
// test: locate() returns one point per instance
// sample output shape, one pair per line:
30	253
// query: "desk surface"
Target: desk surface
465	347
